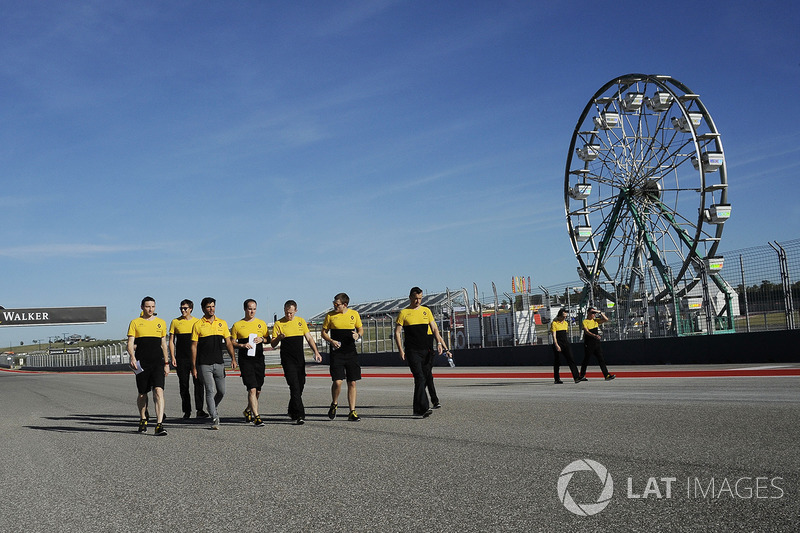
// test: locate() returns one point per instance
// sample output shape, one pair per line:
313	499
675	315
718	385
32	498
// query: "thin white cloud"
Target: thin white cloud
768	151
41	251
345	19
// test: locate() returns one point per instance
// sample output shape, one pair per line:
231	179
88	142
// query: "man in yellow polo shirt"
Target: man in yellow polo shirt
290	331
419	328
591	342
251	357
180	346
559	329
209	336
342	328
147	347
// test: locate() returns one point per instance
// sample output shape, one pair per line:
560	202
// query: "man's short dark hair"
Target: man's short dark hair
247	302
342	297
290	303
413	291
207	300
148	299
187	303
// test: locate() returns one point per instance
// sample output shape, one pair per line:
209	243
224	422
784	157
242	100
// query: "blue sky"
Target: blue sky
282	150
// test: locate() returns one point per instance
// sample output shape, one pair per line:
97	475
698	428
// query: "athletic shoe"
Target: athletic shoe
437	405
187	416
610	377
257	421
332	411
353	416
160	430
300	421
248	415
142	425
582	378
215	424
202	414
559	382
427	413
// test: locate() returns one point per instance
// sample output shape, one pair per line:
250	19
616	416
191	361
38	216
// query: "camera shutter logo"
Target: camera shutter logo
585	509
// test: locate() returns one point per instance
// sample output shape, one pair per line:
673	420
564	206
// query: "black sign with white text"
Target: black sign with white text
52	316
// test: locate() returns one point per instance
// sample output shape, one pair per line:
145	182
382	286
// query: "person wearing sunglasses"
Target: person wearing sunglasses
180	348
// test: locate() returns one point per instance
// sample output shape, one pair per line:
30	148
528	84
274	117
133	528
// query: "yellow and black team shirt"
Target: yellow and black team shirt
210	337
341	326
294	331
181	329
416	327
241	331
559	328
148	335
592	325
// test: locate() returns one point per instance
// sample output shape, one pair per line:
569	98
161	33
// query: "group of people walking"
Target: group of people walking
591	344
196	347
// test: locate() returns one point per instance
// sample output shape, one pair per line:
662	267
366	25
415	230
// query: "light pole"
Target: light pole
569	311
616	305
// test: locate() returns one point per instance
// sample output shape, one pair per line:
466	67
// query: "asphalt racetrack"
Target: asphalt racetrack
659	449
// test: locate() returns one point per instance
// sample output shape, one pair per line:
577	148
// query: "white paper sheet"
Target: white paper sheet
251	340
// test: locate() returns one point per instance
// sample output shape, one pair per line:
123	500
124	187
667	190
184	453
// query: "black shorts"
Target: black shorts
252	371
149	378
345	366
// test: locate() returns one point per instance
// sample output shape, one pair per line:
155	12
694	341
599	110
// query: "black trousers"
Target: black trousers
566	351
590	349
294	370
184	371
420	362
428	369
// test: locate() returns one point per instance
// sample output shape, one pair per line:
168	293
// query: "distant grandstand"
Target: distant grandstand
436	302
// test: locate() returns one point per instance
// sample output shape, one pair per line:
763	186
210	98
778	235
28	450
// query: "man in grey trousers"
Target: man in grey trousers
209	335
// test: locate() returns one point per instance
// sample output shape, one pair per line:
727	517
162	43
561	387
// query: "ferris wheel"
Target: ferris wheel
645	188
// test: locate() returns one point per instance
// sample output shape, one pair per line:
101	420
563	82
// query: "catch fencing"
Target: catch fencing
756	289
760	291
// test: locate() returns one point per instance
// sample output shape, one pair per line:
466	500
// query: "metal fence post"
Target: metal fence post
744	289
479	309
496	323
788	301
466	317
